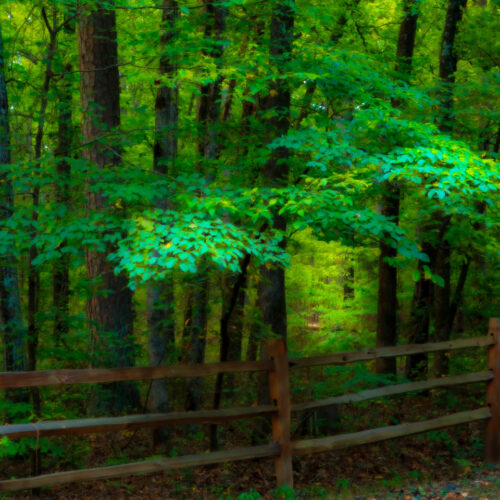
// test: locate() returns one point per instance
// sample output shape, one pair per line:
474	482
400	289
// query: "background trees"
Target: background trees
268	150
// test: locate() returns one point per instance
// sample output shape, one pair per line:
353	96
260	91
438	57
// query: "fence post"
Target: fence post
493	395
279	389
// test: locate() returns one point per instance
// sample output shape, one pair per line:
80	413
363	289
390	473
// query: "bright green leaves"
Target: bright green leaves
160	241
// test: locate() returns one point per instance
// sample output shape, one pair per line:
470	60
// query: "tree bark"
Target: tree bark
439	250
271	290
13	330
109	313
387	301
33	271
448	61
417	364
160	310
208	117
61	280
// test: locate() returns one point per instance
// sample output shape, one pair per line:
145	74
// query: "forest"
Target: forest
184	181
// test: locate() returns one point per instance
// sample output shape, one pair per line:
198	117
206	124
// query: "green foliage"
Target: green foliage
356	127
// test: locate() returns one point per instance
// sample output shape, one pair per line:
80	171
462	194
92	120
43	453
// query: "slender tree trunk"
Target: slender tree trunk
110	314
208	117
161	322
387	301
61	279
33	271
12	327
447	67
416	365
439	250
61	282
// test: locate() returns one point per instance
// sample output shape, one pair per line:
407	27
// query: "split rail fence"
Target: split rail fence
282	448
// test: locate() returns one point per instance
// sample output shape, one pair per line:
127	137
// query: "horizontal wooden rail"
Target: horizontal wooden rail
145	467
341	441
343	358
392	390
107	424
14	380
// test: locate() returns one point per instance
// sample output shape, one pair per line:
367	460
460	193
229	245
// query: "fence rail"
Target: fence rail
282	448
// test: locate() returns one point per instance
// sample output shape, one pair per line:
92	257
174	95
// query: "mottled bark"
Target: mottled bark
387	300
110	314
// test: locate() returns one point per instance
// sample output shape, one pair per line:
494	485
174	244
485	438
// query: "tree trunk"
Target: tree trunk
61	283
61	278
271	291
33	271
11	322
387	301
208	116
161	322
110	314
447	67
417	364
439	251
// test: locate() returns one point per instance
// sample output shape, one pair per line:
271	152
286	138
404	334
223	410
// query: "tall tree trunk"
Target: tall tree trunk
161	322
61	283
12	327
447	68
417	364
109	310
439	250
60	278
208	116
271	288
33	271
387	301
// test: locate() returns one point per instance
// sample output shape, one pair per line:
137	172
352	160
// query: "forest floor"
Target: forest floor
446	464
366	473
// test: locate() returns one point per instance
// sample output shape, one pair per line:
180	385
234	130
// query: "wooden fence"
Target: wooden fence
282	448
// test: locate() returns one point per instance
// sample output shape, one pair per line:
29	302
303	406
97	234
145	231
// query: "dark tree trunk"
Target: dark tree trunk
416	365
208	117
447	67
271	290
348	279
33	271
61	283
11	322
110	314
61	278
198	330
161	322
387	302
439	250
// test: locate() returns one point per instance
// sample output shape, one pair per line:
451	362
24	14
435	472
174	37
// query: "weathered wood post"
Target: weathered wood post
279	389
493	395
